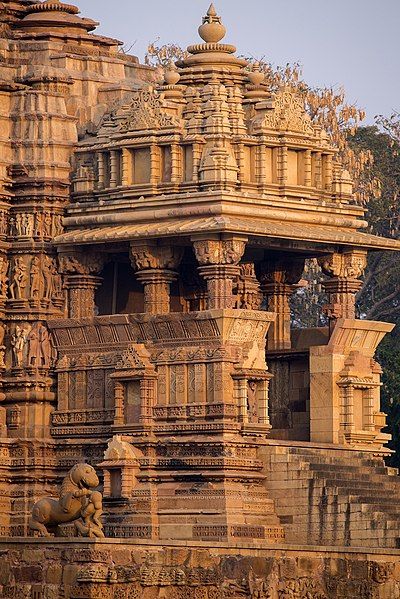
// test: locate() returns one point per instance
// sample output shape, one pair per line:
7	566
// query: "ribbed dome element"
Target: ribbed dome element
54	15
51	5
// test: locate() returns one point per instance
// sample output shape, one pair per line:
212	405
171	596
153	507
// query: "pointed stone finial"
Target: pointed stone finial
212	30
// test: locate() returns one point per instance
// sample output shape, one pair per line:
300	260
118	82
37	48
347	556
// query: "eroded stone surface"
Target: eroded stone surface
123	571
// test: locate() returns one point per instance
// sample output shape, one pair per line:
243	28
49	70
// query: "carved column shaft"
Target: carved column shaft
343	285
307	168
342	298
114	167
148	400
263	402
81	293
81	281
278	298
218	264
277	279
156	289
241	393
219	285
155	268
368	409
119	397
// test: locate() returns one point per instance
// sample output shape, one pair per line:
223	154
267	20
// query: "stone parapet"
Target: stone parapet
120	569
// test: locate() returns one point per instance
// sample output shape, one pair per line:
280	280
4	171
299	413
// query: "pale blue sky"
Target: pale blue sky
353	43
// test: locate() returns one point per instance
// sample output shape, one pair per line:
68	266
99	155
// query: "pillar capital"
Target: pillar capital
80	272
148	255
349	265
213	251
342	286
218	260
81	263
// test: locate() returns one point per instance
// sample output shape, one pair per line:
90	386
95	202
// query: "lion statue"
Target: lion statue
77	503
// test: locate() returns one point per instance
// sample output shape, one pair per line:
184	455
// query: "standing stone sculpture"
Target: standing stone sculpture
18	342
77	503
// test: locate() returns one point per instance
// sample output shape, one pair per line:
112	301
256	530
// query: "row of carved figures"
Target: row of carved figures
31	346
40	225
34	278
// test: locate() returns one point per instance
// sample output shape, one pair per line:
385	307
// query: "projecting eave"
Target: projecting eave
268	230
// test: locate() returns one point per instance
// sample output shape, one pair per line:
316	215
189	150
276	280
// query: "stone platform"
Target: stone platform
120	569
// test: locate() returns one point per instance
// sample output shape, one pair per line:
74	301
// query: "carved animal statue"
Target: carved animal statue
90	524
75	502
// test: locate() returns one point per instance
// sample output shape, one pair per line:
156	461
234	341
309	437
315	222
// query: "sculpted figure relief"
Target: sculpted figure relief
3	276
47	273
38	228
22	224
19	278
18	342
39	347
47	224
350	265
36	278
81	264
77	503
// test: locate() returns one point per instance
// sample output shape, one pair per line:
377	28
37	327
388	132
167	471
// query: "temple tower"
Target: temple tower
153	233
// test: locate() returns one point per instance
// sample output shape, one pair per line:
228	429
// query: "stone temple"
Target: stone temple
151	236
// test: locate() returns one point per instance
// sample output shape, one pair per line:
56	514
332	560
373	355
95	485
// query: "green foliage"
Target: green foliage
389	357
379	298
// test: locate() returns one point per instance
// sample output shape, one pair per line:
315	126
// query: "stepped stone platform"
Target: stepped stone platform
326	495
120	569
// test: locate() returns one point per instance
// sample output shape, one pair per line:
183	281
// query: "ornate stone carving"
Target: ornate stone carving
18	342
4	265
155	266
287	114
146	111
39	347
145	256
79	271
218	260
247	289
344	270
301	588
81	263
77	503
131	359
349	265
19	278
219	252
277	278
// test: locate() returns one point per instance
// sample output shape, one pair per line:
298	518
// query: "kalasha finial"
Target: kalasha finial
212	30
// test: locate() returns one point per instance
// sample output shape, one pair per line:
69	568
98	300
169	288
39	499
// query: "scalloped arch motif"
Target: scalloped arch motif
288	114
146	111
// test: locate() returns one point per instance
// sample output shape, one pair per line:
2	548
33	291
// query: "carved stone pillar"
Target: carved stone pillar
155	267
81	281
219	260
343	285
277	280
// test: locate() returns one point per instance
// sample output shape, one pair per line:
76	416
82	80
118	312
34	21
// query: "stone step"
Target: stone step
352	483
379	471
